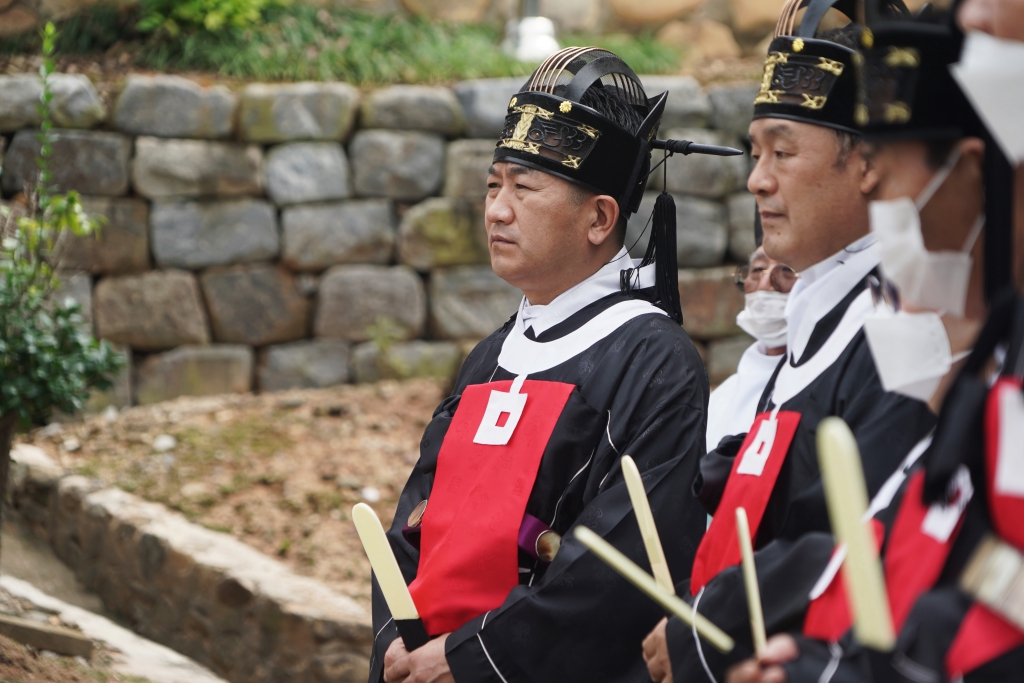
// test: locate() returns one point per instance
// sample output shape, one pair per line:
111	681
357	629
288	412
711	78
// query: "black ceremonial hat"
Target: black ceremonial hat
906	88
809	79
548	128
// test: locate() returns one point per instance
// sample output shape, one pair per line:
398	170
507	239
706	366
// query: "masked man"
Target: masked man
766	285
812	184
932	161
528	444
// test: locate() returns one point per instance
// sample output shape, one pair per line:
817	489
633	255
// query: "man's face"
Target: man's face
903	171
534	228
764	274
811	200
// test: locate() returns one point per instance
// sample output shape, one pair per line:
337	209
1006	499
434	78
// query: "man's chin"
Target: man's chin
505	266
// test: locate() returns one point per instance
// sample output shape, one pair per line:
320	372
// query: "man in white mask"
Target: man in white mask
812	183
932	196
928	216
766	285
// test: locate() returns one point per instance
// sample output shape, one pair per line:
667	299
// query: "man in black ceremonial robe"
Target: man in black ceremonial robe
593	366
954	535
813	183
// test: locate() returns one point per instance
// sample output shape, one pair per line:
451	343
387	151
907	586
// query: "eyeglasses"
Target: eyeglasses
782	278
882	291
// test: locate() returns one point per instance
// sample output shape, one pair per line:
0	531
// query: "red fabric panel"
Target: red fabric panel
829	617
1006	510
982	637
913	560
719	548
468	545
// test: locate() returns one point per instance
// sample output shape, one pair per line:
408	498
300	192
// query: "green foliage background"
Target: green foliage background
299	42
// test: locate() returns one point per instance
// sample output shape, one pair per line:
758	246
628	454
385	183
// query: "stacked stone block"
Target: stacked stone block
308	234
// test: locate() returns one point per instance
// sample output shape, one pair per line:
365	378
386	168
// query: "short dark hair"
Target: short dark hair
938	150
846	142
607	102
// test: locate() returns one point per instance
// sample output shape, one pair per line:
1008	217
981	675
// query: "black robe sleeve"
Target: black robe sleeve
786	573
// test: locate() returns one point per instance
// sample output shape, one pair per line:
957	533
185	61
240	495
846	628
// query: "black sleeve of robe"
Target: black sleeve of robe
786	573
579	620
714	471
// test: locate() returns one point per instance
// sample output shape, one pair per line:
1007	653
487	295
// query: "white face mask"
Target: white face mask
935	280
764	317
991	74
911	351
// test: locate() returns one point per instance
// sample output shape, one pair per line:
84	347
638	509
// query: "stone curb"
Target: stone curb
202	593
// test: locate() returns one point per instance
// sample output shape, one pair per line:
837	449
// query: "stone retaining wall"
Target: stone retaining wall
300	235
202	593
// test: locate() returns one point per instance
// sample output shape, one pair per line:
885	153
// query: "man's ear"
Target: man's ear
869	176
973	149
605	217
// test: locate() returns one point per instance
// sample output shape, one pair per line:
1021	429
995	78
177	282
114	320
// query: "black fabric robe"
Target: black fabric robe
933	622
641	391
794	541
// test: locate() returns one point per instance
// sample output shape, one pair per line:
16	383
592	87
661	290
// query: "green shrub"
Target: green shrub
47	360
212	15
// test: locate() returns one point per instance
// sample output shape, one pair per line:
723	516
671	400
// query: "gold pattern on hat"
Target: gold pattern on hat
902	57
860	115
527	113
798	45
565	107
830	65
571	161
589	130
897	112
513	102
813	102
867	38
766	95
531	147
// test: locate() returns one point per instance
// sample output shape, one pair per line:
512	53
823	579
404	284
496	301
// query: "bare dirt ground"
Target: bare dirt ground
21	664
277	471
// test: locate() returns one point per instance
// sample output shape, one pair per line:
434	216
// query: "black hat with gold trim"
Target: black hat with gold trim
906	89
808	79
550	129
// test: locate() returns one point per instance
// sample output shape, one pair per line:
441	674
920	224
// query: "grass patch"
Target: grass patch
306	43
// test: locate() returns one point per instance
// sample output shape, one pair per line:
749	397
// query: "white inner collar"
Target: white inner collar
822	286
599	285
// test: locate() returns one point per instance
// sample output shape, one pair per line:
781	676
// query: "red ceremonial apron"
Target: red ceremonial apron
828	615
750	485
983	634
485	473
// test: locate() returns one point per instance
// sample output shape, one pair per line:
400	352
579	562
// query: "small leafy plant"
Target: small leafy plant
47	360
173	16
